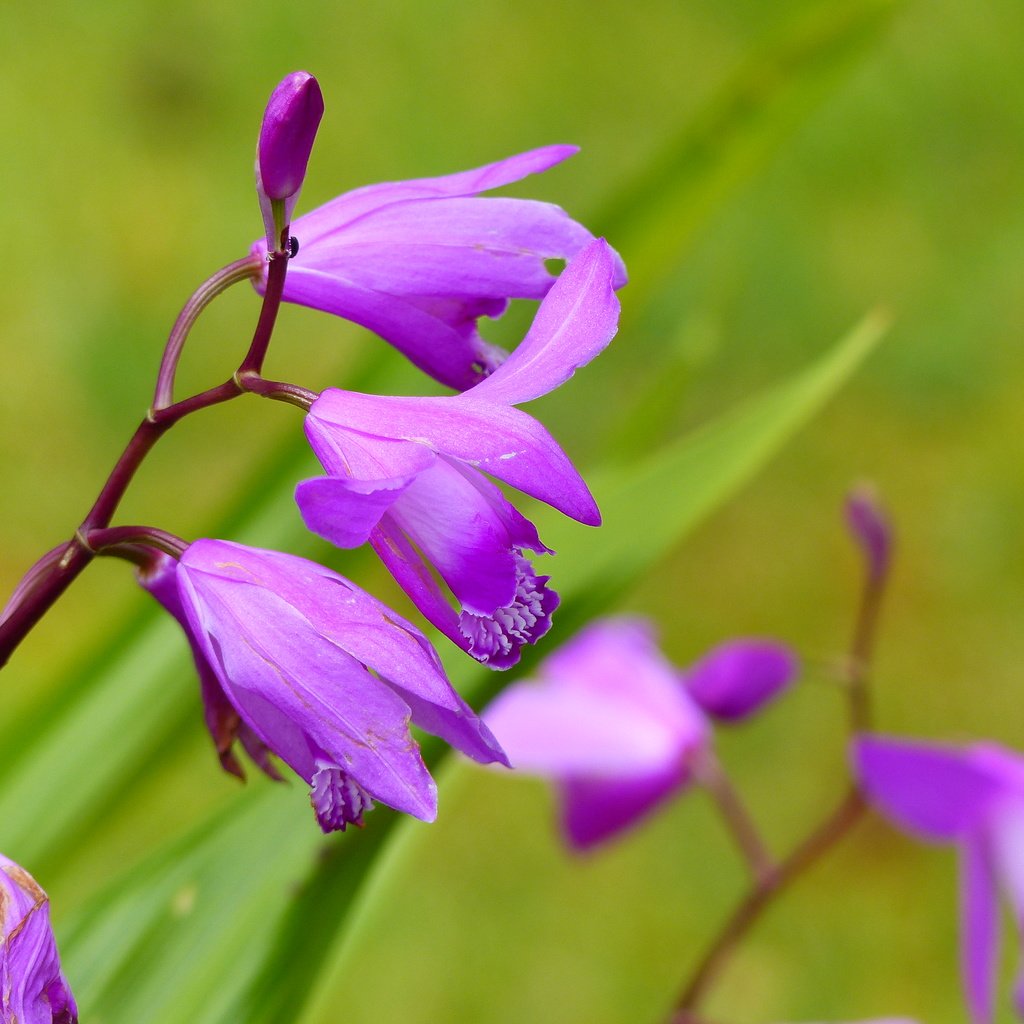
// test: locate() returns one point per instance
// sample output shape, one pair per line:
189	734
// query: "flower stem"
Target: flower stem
241	270
61	567
276	271
760	896
709	773
769	884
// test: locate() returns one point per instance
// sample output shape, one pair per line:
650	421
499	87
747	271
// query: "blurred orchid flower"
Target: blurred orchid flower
419	262
32	988
973	797
405	474
296	660
611	722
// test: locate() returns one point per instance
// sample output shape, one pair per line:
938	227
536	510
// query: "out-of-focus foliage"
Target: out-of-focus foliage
775	170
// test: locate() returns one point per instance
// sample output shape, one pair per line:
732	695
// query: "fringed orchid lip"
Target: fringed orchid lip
411	475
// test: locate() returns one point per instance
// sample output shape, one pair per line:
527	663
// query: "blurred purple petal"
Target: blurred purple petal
980	914
738	678
938	792
596	809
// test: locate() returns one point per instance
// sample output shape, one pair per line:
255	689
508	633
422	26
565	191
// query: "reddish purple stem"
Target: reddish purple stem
37	598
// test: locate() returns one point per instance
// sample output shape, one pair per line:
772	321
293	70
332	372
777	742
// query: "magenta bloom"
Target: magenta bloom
973	797
286	139
610	721
32	988
418	262
296	660
407	474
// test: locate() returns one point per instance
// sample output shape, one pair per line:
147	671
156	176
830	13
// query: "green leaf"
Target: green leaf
656	219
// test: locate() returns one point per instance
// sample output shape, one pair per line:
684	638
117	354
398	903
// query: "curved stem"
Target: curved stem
708	772
760	896
241	270
276	272
114	538
768	886
46	588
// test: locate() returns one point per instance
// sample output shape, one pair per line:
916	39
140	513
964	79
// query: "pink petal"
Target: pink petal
939	792
980	916
576	321
497	439
347	207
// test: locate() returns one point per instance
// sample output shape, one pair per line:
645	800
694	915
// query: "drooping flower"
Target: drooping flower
286	139
32	988
419	262
973	797
407	474
611	723
297	661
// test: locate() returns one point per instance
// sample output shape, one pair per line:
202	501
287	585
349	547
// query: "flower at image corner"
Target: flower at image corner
32	988
972	797
297	661
613	724
407	475
419	262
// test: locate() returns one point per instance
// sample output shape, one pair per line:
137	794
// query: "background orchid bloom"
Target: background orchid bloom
418	262
608	720
611	721
32	988
973	797
298	661
407	474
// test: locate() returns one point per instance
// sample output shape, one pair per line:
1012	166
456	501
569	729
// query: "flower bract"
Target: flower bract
418	262
408	475
297	661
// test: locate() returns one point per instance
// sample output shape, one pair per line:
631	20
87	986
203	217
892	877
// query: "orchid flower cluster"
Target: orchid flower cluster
297	664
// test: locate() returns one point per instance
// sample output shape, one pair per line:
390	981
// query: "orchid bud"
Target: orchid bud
286	140
871	529
738	678
32	988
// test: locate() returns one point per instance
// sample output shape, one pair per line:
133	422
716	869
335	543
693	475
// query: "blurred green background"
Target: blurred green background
887	172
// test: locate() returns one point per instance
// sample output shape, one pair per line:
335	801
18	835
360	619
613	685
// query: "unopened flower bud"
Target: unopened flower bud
32	987
871	529
286	140
740	677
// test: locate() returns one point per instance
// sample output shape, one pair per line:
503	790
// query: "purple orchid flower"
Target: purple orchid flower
296	660
973	797
289	127
418	262
405	474
32	988
612	723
